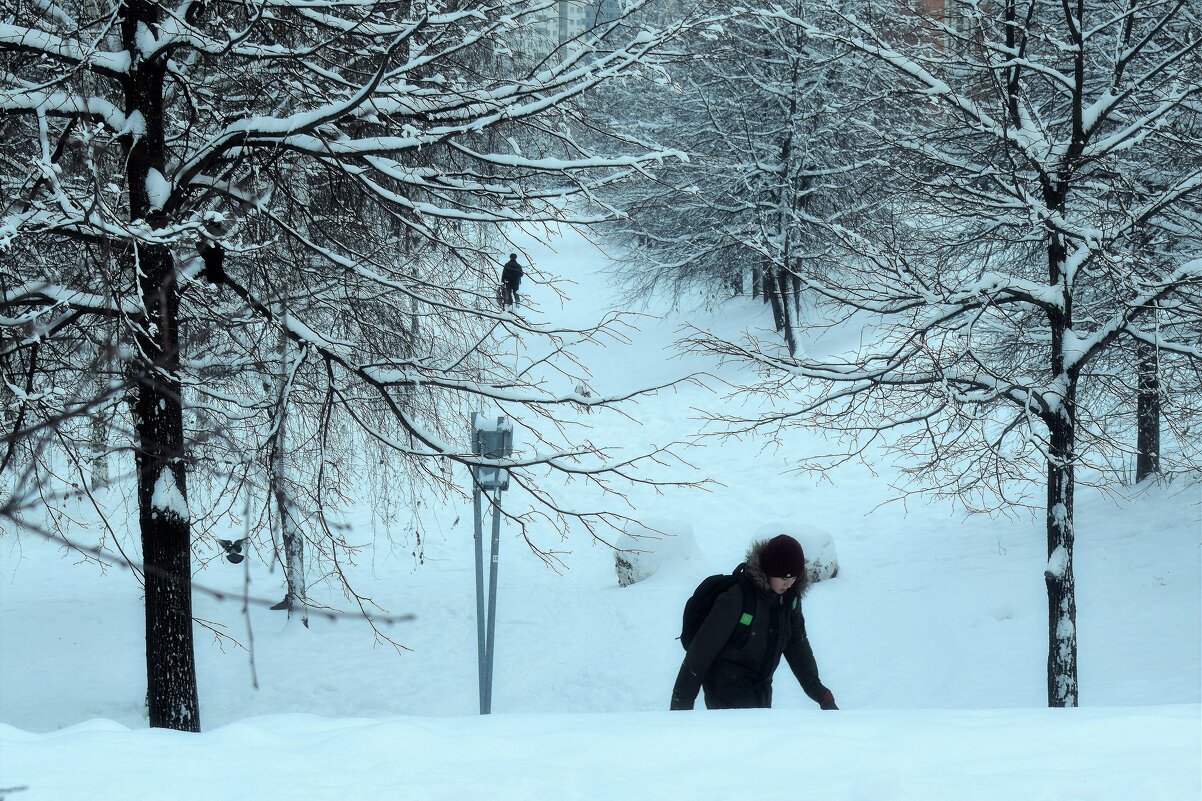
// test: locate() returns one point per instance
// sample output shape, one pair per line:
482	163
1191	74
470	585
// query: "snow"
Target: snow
167	497
1001	284
65	296
484	423
145	41
64	48
1060	516
981	755
158	189
652	545
71	103
933	637
1057	562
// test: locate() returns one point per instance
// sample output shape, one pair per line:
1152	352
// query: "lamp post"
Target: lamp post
490	440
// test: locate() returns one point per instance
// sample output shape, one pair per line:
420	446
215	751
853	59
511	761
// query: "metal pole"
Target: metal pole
492	594
481	642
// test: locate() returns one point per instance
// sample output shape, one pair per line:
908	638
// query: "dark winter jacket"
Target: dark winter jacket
511	274
735	677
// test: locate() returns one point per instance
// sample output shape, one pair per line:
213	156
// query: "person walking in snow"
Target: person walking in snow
511	279
735	668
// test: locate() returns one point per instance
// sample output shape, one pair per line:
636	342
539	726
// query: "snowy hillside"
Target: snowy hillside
932	638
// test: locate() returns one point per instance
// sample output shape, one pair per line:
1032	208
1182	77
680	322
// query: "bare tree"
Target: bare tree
998	304
198	180
757	105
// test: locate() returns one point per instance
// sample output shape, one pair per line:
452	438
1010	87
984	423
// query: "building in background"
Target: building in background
562	23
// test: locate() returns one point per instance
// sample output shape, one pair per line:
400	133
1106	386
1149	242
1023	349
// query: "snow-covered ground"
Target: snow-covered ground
932	638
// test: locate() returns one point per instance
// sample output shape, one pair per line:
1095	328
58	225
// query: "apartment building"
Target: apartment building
563	22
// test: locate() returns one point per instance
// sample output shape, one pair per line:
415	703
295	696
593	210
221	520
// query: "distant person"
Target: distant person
755	619
511	279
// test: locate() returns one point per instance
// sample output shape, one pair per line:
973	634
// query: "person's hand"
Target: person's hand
827	700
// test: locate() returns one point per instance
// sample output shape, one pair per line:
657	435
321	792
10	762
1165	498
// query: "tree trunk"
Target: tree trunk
99	447
292	539
157	406
1061	583
162	504
773	294
787	318
1061	421
1147	414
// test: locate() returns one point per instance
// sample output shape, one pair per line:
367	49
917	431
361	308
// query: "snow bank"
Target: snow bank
1150	754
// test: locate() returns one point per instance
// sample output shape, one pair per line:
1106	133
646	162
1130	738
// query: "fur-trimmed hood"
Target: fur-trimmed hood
756	573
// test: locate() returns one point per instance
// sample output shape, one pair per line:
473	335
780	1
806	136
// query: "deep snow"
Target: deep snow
932	637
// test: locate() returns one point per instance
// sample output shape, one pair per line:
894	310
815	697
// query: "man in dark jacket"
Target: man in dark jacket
511	279
737	673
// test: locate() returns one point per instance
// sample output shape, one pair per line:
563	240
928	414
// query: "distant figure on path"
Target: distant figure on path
511	279
754	620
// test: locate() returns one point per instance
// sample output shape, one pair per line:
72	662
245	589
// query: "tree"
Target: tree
1001	306
755	104
190	184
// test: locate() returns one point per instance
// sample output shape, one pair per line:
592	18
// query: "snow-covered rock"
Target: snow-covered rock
645	548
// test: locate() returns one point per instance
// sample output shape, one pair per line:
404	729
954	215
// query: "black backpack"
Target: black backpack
698	607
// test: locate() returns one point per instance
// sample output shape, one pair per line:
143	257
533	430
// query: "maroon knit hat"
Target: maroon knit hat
782	557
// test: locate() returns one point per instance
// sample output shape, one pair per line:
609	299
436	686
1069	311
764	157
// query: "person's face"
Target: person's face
781	585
